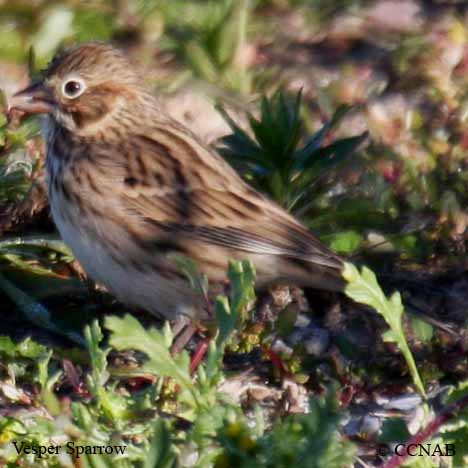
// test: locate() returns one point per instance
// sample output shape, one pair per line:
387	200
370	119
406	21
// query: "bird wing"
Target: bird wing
175	185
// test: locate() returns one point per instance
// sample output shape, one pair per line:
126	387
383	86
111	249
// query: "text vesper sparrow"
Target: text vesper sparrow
128	186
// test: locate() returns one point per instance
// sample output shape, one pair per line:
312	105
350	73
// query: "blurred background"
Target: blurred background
352	115
400	64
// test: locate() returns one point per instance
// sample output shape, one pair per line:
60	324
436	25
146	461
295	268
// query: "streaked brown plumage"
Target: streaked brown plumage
128	186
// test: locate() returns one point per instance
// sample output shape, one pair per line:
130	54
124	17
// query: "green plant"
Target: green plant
113	417
273	159
208	37
311	440
363	288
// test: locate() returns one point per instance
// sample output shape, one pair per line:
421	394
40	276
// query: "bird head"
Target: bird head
82	88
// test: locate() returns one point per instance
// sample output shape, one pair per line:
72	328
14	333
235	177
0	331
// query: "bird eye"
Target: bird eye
73	88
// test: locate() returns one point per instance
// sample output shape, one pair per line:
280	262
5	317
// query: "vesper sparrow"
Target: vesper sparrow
128	185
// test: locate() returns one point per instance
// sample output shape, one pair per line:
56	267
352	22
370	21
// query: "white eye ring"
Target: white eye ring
73	87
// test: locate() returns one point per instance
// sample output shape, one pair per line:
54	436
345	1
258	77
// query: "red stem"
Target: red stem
445	415
198	355
277	362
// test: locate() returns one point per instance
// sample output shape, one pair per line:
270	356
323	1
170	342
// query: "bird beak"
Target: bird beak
34	99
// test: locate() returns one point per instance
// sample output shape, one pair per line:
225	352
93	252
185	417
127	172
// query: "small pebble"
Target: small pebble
317	342
280	347
405	402
302	321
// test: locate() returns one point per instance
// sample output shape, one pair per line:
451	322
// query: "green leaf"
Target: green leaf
455	431
7	346
306	440
43	241
363	288
161	453
198	282
242	278
394	430
128	333
113	406
93	336
230	313
271	160
456	393
315	141
96	461
328	157
225	318
423	330
423	461
228	34
35	311
345	242
201	61
238	143
48	398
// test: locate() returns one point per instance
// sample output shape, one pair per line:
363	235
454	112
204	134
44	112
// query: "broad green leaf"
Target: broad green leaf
363	287
128	333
